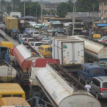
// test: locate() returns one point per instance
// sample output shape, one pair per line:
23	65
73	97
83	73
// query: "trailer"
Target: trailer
35	66
95	51
69	51
22	60
62	89
7	72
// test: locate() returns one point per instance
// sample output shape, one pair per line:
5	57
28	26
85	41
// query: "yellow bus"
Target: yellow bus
44	51
14	101
11	90
6	44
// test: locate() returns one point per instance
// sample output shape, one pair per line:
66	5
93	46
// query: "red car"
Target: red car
103	41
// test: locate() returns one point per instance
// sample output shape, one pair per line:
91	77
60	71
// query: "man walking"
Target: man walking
88	87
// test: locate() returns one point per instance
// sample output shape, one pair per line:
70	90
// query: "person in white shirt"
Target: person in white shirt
88	87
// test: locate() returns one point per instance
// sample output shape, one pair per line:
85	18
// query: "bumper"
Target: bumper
103	95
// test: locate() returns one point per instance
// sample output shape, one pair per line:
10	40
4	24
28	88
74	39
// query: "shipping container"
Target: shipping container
11	23
68	51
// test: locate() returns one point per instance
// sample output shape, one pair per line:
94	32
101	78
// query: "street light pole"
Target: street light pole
74	1
12	5
24	7
41	13
36	11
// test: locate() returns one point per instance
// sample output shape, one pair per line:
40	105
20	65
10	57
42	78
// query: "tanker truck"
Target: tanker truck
95	51
63	89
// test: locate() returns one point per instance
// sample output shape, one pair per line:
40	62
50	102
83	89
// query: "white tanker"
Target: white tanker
62	93
94	51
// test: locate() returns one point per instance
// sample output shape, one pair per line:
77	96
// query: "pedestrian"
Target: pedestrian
88	87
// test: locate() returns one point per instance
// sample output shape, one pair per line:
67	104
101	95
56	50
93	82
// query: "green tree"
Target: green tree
63	8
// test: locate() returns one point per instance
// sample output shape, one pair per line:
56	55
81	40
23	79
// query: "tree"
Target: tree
63	8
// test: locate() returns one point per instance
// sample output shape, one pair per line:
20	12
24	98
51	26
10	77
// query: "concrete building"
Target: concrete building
103	10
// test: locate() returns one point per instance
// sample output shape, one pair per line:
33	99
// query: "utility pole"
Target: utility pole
41	11
0	6
74	1
93	18
36	11
24	7
12	5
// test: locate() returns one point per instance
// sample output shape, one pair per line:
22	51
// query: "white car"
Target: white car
46	41
36	45
34	34
33	24
103	38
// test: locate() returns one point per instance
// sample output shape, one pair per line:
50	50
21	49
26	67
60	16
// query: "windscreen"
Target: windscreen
97	71
36	32
31	40
25	36
38	44
46	49
104	85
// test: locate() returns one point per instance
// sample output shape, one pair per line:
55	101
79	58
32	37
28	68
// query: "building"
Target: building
84	16
103	10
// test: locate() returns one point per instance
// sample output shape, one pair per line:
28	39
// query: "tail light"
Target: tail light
89	78
102	89
32	35
21	37
14	33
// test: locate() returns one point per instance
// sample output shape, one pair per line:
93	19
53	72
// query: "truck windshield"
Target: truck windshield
104	85
97	71
46	49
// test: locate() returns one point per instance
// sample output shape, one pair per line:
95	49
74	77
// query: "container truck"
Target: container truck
62	89
69	51
11	23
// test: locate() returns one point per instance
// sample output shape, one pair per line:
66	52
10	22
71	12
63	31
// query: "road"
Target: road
103	101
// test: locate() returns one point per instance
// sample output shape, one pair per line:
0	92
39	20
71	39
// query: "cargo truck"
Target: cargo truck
69	51
62	89
11	23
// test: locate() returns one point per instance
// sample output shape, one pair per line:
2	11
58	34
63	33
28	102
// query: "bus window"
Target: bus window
6	95
17	95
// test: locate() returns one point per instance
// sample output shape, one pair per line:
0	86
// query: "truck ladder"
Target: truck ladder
9	73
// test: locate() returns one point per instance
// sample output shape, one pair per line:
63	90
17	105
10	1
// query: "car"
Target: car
2	26
46	41
89	70
36	45
34	34
15	33
103	38
27	29
21	37
38	38
29	40
99	87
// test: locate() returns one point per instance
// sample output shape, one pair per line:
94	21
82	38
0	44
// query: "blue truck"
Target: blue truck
4	53
89	70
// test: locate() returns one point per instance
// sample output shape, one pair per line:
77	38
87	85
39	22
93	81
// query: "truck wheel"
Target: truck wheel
96	95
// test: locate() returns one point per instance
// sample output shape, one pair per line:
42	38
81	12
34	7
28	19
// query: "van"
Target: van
44	51
89	70
96	36
6	44
11	90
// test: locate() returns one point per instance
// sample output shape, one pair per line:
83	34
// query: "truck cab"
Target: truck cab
4	55
89	70
15	32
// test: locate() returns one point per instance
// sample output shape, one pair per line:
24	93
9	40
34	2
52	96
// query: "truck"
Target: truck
11	23
15	14
95	52
69	51
22	24
7	72
63	89
21	57
35	66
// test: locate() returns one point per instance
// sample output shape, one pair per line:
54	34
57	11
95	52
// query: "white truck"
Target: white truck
69	51
64	91
12	14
